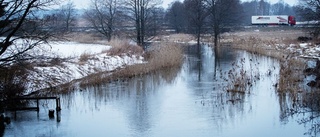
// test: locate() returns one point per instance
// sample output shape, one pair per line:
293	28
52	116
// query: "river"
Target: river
181	102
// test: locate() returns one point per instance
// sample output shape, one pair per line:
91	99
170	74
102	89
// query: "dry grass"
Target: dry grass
164	55
84	57
274	44
291	75
86	38
160	57
178	38
238	79
294	97
120	46
264	43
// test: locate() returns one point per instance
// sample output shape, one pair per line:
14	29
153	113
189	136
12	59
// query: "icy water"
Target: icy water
186	102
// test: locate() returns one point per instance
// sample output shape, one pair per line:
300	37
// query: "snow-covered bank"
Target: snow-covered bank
74	67
272	42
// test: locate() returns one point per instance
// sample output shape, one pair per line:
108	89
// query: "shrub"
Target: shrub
13	81
304	39
84	57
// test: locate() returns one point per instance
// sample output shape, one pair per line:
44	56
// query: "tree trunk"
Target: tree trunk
198	42
216	33
216	38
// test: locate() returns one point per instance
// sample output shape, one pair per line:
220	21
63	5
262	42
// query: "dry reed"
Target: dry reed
177	38
120	46
273	44
84	57
85	38
160	56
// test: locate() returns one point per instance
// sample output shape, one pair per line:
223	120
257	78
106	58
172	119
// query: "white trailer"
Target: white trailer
273	20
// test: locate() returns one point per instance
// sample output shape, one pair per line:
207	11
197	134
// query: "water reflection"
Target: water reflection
188	101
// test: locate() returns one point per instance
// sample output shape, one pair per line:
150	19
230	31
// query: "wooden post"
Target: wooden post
38	105
58	108
51	113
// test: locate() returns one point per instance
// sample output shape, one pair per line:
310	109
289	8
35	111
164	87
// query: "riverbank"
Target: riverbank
294	48
86	64
277	43
74	64
67	62
159	56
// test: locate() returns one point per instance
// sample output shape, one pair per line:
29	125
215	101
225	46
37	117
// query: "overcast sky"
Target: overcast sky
85	3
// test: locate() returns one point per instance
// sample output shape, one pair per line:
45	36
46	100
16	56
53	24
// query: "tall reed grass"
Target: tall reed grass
158	57
274	44
122	46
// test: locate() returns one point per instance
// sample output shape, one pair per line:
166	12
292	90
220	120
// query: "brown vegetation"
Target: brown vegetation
120	46
12	80
239	81
269	43
275	44
84	38
167	55
295	98
84	57
177	38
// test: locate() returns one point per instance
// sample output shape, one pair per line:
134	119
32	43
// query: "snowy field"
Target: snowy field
73	67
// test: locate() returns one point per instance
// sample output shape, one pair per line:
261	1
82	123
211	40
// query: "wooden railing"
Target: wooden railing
58	105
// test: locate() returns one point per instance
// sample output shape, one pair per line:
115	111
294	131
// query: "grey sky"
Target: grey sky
86	3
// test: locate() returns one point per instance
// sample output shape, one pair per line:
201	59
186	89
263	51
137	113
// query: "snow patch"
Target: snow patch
74	68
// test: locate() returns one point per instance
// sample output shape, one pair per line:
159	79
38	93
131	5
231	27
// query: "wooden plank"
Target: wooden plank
34	98
58	107
25	108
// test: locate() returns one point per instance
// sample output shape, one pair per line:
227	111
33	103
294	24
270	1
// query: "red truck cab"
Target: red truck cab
291	20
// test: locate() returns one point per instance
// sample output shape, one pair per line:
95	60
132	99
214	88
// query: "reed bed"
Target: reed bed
160	56
294	97
274	44
122	46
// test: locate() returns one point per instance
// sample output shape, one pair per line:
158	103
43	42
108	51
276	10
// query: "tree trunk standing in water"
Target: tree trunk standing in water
142	27
222	14
197	14
215	7
216	35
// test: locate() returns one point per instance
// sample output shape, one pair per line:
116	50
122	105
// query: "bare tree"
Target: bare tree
103	16
223	13
197	14
67	15
249	9
156	19
309	10
139	13
176	16
263	8
281	8
13	18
